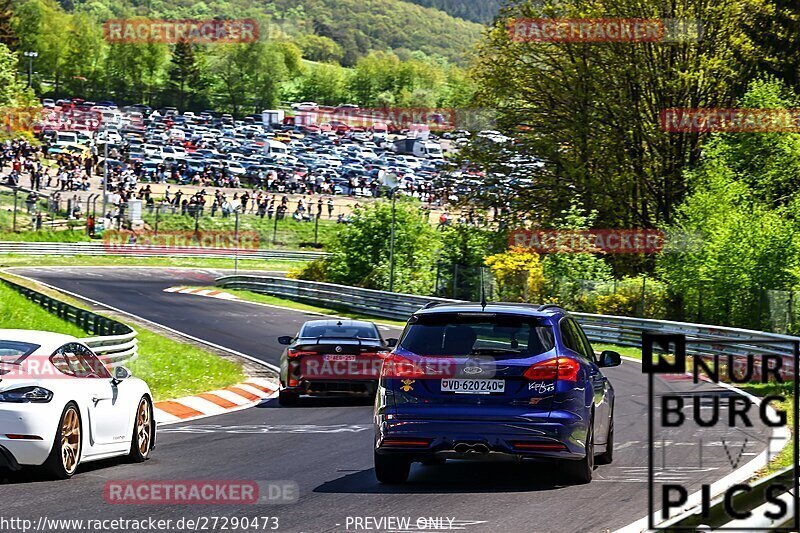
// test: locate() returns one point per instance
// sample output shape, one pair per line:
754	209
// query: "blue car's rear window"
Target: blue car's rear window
455	335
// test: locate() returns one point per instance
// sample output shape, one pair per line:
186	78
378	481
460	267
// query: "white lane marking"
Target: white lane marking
173	289
208	293
258	392
231	397
162	417
202	405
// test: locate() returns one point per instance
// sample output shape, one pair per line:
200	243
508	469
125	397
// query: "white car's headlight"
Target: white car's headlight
26	395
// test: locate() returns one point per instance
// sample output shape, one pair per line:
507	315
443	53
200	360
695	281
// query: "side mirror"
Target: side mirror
391	343
285	340
609	358
121	373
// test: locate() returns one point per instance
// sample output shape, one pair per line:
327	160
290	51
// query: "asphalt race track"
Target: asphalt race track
326	447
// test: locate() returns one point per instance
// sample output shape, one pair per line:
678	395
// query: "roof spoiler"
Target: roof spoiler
545	307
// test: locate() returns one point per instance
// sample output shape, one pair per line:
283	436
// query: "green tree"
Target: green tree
251	74
43	27
319	48
184	79
360	253
85	56
460	262
776	28
8	36
592	111
735	236
12	91
323	83
136	71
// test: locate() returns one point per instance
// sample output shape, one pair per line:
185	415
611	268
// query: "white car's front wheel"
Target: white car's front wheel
142	441
66	452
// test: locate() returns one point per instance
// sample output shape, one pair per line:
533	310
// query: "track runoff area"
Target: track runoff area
685	435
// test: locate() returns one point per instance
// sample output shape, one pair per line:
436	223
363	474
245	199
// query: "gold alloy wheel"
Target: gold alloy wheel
144	428
70	440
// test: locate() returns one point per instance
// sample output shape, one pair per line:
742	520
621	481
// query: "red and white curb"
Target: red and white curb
211	293
216	402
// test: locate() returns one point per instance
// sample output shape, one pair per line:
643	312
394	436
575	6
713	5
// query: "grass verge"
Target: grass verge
171	368
288	233
628	351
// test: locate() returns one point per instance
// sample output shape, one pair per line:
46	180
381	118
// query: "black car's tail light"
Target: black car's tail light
379	353
294	354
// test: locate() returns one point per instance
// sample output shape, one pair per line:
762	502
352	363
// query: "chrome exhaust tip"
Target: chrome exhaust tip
465	448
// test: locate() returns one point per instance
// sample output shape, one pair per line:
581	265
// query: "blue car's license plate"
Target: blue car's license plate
473	386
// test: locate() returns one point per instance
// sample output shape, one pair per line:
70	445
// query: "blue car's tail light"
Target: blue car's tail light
395	366
560	368
538	446
396	442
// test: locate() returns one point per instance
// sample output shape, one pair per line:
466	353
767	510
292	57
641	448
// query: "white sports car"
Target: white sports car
60	406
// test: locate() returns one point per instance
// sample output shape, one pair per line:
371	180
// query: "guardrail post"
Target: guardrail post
760	303
644	295
14	223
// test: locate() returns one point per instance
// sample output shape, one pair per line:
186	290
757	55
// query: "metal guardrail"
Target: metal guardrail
619	330
114	342
624	331
367	301
134	250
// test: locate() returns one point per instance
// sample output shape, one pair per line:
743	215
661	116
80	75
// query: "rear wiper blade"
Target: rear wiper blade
496	351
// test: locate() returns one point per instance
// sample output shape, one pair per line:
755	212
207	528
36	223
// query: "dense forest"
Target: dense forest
290	61
338	30
483	11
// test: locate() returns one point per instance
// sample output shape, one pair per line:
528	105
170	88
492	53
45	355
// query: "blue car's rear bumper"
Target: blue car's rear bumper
527	437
